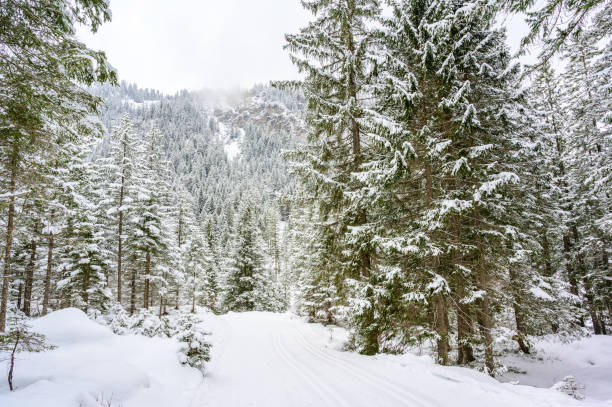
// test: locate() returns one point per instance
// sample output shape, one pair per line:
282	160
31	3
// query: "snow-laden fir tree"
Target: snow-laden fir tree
119	170
589	148
334	52
83	261
248	284
41	98
149	238
441	174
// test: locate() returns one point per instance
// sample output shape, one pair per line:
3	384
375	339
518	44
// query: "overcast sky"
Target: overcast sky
194	44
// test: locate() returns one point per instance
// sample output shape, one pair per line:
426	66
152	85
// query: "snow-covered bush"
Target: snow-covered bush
194	349
147	323
184	327
117	319
570	387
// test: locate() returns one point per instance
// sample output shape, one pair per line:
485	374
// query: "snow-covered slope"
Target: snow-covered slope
90	362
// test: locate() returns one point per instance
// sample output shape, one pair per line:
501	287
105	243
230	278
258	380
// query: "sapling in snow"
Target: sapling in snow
19	338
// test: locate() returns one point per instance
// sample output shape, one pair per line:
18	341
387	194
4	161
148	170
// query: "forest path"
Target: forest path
276	360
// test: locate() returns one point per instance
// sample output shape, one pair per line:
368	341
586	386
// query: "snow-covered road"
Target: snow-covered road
274	360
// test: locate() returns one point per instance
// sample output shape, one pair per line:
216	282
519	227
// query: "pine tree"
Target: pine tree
120	168
334	53
41	64
83	260
149	238
245	280
588	175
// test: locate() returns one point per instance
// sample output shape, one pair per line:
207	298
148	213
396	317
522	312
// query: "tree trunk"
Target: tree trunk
120	251
520	332
133	293
47	292
12	366
20	292
85	291
441	327
10	228
147	285
484	318
571	277
29	279
193	301
518	313
465	353
546	252
485	325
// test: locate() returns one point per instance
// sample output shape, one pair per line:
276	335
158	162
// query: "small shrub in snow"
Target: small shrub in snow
194	349
102	401
117	319
569	386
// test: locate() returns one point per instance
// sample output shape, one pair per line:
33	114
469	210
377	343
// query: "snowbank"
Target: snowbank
90	361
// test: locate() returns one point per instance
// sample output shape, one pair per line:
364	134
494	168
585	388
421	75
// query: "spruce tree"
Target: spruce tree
334	52
41	64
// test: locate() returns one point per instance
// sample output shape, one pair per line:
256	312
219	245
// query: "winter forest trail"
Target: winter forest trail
274	360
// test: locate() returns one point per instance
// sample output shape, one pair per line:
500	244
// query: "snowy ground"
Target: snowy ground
589	360
260	359
271	360
91	362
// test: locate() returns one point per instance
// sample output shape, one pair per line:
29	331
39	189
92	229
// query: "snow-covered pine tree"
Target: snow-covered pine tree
588	175
41	97
119	170
149	239
246	280
83	261
446	87
333	51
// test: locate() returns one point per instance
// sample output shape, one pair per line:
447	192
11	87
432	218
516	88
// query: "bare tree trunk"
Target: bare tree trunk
47	292
12	366
520	331
29	278
439	311
10	228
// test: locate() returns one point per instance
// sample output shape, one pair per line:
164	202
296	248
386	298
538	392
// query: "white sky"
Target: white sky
194	44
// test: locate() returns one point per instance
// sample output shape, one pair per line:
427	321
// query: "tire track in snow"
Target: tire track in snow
358	372
319	386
